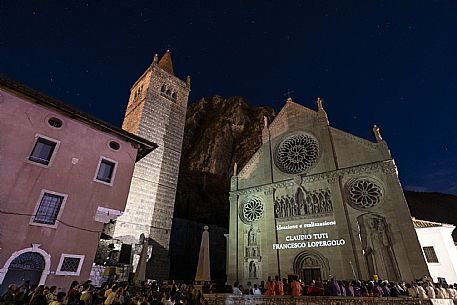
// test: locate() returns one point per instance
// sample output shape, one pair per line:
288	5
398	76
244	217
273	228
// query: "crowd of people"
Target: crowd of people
116	294
172	293
355	288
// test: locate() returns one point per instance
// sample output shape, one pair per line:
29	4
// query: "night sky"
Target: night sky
391	63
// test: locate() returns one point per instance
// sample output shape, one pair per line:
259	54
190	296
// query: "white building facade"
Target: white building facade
439	249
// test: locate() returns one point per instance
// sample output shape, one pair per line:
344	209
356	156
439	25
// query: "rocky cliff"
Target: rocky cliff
221	131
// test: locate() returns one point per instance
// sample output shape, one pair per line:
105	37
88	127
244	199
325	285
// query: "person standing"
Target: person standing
421	293
296	288
114	297
59	298
270	287
279	286
73	294
430	291
334	288
256	290
10	295
38	297
236	289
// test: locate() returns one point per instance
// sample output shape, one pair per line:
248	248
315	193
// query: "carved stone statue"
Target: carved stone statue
377	247
377	133
252	237
252	269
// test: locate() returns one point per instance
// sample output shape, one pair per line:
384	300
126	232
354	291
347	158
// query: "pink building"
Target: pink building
63	175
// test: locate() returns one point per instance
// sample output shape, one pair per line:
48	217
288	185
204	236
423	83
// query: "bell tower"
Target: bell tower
156	111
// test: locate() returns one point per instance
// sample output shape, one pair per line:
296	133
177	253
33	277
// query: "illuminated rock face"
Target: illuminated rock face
157	112
317	202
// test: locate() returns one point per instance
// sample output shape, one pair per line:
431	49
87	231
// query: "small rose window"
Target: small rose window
364	193
252	210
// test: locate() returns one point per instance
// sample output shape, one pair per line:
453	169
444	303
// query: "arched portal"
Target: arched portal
311	265
27	264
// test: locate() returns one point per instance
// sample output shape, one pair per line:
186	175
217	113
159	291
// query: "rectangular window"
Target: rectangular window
42	151
106	171
430	255
48	209
70	264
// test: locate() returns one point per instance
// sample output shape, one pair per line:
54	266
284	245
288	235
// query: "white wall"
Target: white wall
440	238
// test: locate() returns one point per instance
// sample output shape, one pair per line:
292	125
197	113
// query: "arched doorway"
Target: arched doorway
27	266
311	265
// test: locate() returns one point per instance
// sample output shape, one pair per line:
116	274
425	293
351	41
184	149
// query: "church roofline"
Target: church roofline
149	69
41	99
165	63
289	102
350	135
314	112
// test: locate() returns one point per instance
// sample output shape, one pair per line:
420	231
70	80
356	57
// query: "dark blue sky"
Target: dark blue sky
391	63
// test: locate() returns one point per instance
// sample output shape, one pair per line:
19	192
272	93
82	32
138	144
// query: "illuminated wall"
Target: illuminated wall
156	111
317	202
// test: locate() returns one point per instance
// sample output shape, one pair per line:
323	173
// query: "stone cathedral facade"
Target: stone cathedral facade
156	111
315	202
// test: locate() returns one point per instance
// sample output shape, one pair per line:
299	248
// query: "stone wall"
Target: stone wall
155	115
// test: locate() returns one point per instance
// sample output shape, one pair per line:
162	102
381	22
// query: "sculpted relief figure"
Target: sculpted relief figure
309	261
252	237
252	269
251	251
277	209
309	204
303	203
289	207
299	201
377	247
320	196
327	202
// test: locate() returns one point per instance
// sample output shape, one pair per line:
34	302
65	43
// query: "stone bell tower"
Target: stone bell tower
156	111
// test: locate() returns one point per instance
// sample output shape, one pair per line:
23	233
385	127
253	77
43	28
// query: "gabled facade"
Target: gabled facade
64	174
315	202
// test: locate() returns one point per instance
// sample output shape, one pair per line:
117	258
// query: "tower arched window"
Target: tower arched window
168	92
174	95
162	89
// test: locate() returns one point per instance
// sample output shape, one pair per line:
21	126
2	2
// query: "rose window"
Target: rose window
364	193
252	210
297	153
